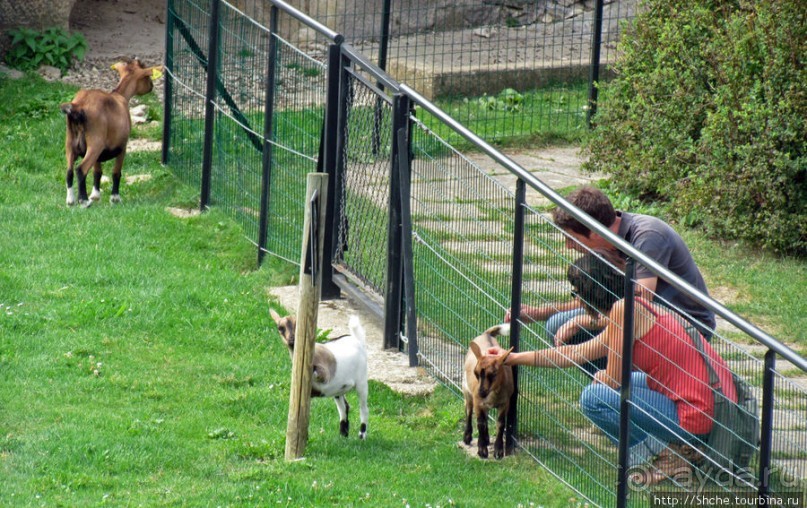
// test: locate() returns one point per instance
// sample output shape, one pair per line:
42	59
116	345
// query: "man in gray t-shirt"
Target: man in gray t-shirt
568	323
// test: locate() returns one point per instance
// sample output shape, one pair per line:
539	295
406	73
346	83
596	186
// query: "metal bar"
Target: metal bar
382	77
330	155
393	292
168	92
308	21
766	424
676	281
594	76
268	135
383	48
511	427
405	170
210	112
624	393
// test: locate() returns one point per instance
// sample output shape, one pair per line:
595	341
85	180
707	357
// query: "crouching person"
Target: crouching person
672	398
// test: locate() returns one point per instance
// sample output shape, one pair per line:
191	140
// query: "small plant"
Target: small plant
54	46
508	100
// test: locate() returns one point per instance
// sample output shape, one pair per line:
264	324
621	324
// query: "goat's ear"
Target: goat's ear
476	351
505	355
275	317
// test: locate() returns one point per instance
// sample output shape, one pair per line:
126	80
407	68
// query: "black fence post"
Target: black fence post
511	427
394	293
624	401
405	170
210	112
766	425
383	49
268	134
330	157
168	92
594	75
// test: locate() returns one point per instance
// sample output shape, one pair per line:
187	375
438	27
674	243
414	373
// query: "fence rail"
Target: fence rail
432	242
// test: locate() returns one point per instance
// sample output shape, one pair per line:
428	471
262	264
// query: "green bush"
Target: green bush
707	113
54	46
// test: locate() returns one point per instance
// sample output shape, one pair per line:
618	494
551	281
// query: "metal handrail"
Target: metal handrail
308	21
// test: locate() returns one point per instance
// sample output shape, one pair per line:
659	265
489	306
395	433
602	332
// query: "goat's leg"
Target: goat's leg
116	173
484	436
89	160
344	409
95	195
361	389
498	445
468	436
71	192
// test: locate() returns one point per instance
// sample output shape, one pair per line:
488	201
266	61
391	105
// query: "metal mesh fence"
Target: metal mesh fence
463	234
365	198
187	44
505	69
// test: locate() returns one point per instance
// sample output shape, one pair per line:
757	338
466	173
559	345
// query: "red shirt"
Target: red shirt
675	368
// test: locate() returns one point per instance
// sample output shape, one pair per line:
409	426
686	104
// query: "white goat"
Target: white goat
340	365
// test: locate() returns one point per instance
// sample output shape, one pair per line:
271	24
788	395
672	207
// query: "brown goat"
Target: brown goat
488	383
98	126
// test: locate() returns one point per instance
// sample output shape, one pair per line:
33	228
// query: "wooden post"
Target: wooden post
316	197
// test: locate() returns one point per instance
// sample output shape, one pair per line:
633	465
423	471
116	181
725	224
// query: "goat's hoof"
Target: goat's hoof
363	431
114	199
70	202
85	203
344	428
95	195
467	439
498	454
483	452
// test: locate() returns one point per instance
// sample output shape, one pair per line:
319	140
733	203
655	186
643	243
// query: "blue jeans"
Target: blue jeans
653	417
554	323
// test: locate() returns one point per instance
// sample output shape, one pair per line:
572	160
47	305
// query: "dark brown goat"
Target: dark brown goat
488	383
98	126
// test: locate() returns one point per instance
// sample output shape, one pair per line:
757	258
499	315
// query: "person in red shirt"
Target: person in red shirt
673	403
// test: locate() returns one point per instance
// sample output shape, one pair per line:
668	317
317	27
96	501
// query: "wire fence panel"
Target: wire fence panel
515	69
239	124
364	202
187	43
299	109
464	218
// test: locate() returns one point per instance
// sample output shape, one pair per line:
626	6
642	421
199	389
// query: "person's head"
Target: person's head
596	281
596	204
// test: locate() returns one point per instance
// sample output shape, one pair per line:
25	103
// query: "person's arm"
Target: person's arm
646	288
562	357
576	324
530	314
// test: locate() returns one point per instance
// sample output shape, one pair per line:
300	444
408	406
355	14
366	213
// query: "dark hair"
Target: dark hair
598	280
592	201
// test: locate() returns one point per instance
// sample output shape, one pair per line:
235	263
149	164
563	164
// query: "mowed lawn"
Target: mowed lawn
139	365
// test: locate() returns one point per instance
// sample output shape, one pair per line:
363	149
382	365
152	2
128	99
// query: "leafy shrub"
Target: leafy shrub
54	46
707	113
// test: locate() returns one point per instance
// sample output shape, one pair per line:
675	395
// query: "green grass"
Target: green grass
555	114
139	366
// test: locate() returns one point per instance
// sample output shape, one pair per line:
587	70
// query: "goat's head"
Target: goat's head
135	78
487	370
285	326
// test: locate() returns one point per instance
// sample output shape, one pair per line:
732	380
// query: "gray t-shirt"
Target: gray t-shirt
657	240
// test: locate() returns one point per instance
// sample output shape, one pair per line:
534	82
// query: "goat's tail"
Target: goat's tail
75	114
502	329
356	329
